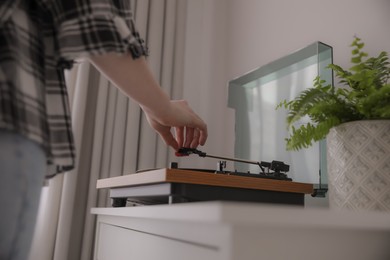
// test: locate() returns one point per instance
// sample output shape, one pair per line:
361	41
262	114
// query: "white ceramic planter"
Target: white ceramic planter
359	165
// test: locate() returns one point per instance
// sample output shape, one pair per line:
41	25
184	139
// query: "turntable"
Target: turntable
174	185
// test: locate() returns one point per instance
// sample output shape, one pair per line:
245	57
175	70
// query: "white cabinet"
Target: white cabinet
239	231
121	243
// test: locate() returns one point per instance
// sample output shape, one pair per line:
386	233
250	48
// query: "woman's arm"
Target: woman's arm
135	79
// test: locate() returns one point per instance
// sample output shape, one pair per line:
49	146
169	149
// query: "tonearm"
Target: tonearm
276	166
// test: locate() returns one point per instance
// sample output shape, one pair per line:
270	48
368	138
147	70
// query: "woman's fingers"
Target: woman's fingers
193	137
189	136
190	130
201	134
179	133
169	139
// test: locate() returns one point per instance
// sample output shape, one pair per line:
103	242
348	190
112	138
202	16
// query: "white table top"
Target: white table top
257	214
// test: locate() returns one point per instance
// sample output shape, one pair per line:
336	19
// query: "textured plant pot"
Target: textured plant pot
358	155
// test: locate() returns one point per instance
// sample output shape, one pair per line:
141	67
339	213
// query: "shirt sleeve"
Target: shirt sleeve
92	27
7	7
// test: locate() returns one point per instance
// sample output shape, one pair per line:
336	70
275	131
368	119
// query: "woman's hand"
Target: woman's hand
190	130
135	79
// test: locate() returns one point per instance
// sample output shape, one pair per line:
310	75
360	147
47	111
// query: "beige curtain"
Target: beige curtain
112	136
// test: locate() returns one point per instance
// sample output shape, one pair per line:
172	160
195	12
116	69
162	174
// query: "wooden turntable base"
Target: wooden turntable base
178	185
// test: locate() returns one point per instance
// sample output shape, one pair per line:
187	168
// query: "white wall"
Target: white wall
227	38
264	30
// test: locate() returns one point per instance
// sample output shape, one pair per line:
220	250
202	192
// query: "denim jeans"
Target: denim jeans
22	171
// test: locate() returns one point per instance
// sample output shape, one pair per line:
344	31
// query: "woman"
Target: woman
38	40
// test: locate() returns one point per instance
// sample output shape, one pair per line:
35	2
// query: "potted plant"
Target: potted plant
354	118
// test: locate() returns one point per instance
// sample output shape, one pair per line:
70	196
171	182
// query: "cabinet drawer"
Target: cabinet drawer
114	242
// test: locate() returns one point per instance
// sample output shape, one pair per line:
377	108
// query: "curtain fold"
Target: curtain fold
112	136
70	184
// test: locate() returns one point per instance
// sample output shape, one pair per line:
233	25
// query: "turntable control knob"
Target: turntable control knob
174	165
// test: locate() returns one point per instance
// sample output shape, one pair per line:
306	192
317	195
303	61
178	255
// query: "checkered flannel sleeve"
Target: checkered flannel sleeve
91	27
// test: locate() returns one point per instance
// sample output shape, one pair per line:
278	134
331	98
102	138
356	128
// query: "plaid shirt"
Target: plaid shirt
38	39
